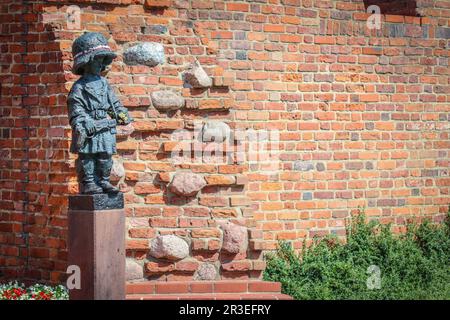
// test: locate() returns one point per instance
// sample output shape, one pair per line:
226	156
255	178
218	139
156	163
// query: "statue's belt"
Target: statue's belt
99	125
104	124
98	114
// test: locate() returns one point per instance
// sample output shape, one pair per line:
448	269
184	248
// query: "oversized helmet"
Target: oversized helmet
88	46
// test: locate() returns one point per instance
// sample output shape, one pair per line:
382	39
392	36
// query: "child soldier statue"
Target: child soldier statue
94	112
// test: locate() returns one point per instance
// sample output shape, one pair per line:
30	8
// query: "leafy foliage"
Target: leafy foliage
414	265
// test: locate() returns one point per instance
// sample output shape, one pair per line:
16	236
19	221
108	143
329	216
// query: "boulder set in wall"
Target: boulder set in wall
169	247
148	53
187	184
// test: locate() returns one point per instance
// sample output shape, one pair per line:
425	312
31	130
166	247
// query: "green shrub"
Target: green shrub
414	265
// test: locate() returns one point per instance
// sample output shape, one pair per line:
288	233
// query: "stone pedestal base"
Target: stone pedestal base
96	244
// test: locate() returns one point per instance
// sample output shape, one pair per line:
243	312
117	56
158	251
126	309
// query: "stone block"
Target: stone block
167	100
196	76
187	183
235	237
100	201
96	245
147	53
169	247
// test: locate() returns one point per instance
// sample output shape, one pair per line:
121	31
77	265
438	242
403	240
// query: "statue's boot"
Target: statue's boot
88	166
104	166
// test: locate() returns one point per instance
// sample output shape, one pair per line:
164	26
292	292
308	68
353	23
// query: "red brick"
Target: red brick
144	125
220	180
237	266
263	286
158	3
324	40
146	187
206	233
274	28
163	222
186	266
230	286
159	267
174	287
202	287
138	244
140	287
237	7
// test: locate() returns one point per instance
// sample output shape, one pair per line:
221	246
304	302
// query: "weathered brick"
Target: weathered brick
206	233
357	117
220	180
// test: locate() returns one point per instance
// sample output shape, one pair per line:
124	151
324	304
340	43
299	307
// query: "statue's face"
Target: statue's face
95	66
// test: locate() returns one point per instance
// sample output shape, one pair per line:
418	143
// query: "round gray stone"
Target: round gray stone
300	165
167	100
147	53
133	270
169	247
187	183
207	271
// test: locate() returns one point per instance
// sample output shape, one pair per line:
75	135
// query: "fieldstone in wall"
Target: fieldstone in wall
117	171
169	247
300	165
154	29
147	53
167	100
133	270
197	77
187	183
216	131
207	271
235	237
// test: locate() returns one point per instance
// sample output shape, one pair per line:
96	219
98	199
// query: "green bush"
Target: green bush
414	265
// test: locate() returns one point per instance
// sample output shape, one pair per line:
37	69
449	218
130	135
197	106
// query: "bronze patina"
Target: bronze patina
94	111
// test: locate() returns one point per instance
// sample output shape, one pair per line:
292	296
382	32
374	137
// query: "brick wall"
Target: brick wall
33	165
362	119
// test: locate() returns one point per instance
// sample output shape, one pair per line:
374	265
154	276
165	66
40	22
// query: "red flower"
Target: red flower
18	292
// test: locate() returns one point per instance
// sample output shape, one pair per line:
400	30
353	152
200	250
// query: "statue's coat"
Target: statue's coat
92	98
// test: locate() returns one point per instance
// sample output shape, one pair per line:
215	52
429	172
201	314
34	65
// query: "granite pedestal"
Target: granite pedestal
96	244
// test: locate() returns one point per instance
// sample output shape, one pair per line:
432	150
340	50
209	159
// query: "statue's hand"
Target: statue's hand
90	127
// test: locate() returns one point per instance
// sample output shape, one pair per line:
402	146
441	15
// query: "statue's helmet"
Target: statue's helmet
88	46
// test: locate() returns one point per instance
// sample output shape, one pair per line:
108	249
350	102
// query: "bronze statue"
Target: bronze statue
94	112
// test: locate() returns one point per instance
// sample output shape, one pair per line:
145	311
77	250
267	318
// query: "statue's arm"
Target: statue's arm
117	110
78	117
